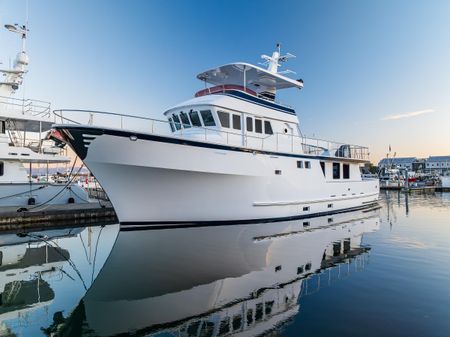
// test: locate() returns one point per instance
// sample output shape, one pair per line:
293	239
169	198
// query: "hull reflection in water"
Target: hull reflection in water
43	274
213	281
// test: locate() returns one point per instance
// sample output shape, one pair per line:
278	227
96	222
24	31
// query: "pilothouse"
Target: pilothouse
231	153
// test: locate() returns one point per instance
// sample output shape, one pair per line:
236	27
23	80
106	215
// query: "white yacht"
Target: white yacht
23	143
231	153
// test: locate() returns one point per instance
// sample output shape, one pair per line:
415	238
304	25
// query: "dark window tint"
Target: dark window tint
299	164
185	120
258	126
322	166
249	124
3	127
208	119
172	127
346	171
305	208
268	128
236	122
307	164
195	119
224	118
177	122
2	168
336	171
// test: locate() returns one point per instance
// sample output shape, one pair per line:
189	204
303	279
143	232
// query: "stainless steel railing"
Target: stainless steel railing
277	142
32	107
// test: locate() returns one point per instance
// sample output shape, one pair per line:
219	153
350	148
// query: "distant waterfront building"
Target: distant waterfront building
438	164
405	162
434	164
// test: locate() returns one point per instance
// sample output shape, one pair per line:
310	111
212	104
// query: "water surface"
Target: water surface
382	272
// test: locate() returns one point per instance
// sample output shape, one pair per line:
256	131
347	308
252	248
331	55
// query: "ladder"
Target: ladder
14	135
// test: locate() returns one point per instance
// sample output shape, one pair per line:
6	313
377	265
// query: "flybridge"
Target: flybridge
253	79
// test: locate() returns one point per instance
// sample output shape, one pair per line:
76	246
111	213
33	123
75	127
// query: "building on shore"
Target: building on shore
432	164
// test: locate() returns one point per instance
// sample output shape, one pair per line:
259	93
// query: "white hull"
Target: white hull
19	194
166	180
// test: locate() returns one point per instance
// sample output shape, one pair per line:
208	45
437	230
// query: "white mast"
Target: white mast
13	77
274	62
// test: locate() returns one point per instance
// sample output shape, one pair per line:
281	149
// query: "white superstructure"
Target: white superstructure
23	143
231	153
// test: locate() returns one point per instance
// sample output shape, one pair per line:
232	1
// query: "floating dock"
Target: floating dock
56	216
416	189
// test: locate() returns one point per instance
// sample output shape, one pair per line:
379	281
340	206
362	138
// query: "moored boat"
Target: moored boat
230	154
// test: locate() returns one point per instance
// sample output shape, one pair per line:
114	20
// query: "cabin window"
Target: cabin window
224	118
2	168
322	166
185	120
307	164
268	128
258	125
306	209
208	119
195	118
299	164
236	122
250	124
172	127
3	127
336	171
346	171
177	122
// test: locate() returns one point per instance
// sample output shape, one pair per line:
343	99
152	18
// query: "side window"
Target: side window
224	118
322	166
2	127
249	124
237	122
336	170
195	118
299	164
346	171
185	120
268	128
258	125
307	164
208	119
176	120
2	168
172	127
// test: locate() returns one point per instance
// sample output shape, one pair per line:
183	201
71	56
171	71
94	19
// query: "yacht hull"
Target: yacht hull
158	180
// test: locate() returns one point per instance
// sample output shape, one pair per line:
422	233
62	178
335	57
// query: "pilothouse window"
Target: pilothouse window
236	122
195	118
2	168
249	124
185	120
177	122
208	119
346	171
224	118
258	125
172	127
3	127
268	128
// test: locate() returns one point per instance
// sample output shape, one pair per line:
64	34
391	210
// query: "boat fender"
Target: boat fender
71	200
31	201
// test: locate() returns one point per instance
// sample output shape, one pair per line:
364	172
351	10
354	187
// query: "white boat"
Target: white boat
232	153
23	123
445	181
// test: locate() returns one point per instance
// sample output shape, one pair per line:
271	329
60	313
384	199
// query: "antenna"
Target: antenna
273	62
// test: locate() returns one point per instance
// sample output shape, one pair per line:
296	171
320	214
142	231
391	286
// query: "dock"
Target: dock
423	189
56	216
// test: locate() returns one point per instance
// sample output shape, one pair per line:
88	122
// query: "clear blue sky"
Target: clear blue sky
375	72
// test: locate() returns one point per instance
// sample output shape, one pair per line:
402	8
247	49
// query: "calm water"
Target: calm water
377	273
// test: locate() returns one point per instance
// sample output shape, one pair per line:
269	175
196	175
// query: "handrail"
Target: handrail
279	142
